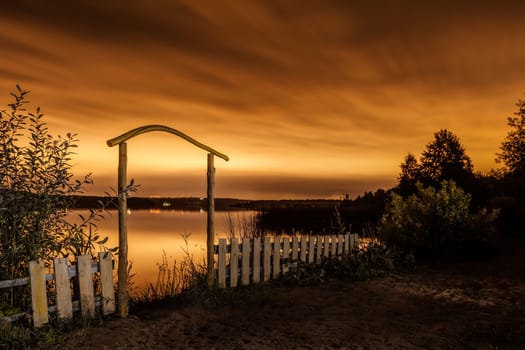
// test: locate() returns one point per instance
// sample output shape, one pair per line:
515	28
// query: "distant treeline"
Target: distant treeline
194	203
161	203
360	215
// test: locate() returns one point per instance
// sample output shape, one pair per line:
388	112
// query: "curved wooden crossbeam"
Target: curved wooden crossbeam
149	128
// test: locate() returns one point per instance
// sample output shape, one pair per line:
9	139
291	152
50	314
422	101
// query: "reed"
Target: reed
174	277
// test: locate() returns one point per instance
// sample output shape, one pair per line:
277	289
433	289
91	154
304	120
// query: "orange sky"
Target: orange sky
309	99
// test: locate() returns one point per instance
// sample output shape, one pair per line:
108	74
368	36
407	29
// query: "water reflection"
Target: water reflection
152	232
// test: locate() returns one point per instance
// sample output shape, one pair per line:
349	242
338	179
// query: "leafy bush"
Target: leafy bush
36	190
437	223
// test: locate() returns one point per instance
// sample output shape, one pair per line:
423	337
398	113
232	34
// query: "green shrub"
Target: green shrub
437	223
36	190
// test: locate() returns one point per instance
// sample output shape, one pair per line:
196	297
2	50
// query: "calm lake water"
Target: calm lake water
152	232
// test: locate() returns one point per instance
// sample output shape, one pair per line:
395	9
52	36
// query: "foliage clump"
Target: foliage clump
437	223
37	188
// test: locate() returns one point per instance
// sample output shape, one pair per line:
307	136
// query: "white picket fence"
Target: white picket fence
63	273
252	260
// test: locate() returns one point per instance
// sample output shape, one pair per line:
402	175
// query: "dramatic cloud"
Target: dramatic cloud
336	91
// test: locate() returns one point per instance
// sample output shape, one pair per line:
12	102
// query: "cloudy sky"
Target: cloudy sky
309	98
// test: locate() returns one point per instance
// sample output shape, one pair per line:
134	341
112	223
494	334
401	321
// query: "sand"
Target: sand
469	305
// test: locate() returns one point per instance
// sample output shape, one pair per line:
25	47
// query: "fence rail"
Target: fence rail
267	259
82	275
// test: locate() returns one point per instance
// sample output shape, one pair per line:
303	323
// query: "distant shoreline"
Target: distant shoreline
195	203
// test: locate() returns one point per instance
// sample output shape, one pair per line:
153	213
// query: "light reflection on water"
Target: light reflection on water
152	232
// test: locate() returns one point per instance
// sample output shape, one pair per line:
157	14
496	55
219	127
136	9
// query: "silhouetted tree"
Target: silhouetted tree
512	183
445	159
512	153
410	175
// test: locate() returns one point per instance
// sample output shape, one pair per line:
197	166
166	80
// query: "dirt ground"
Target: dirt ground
469	305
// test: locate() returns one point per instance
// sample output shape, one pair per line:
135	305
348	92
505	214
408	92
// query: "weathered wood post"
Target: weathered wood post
210	229
123	296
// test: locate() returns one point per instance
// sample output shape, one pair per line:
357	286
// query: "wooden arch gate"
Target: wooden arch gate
123	294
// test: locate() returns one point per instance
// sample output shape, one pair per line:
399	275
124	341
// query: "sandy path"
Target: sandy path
459	306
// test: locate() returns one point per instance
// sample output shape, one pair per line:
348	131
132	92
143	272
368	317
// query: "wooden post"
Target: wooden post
302	252
123	296
105	263
210	230
222	263
295	248
256	275
318	250
234	262
326	246
245	269
286	255
276	257
85	282
63	290
37	275
339	245
267	253
311	249
347	244
333	247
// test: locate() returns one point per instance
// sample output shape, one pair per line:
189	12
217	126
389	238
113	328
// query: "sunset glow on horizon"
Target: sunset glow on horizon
309	99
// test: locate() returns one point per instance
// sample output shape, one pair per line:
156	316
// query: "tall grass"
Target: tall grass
243	225
174	278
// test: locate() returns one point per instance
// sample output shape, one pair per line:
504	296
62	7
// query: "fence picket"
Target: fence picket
266	259
234	263
256	278
311	246
326	246
221	278
286	255
85	283
37	275
333	246
245	263
346	249
276	257
63	289
353	242
318	249
339	245
295	248
105	263
303	249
